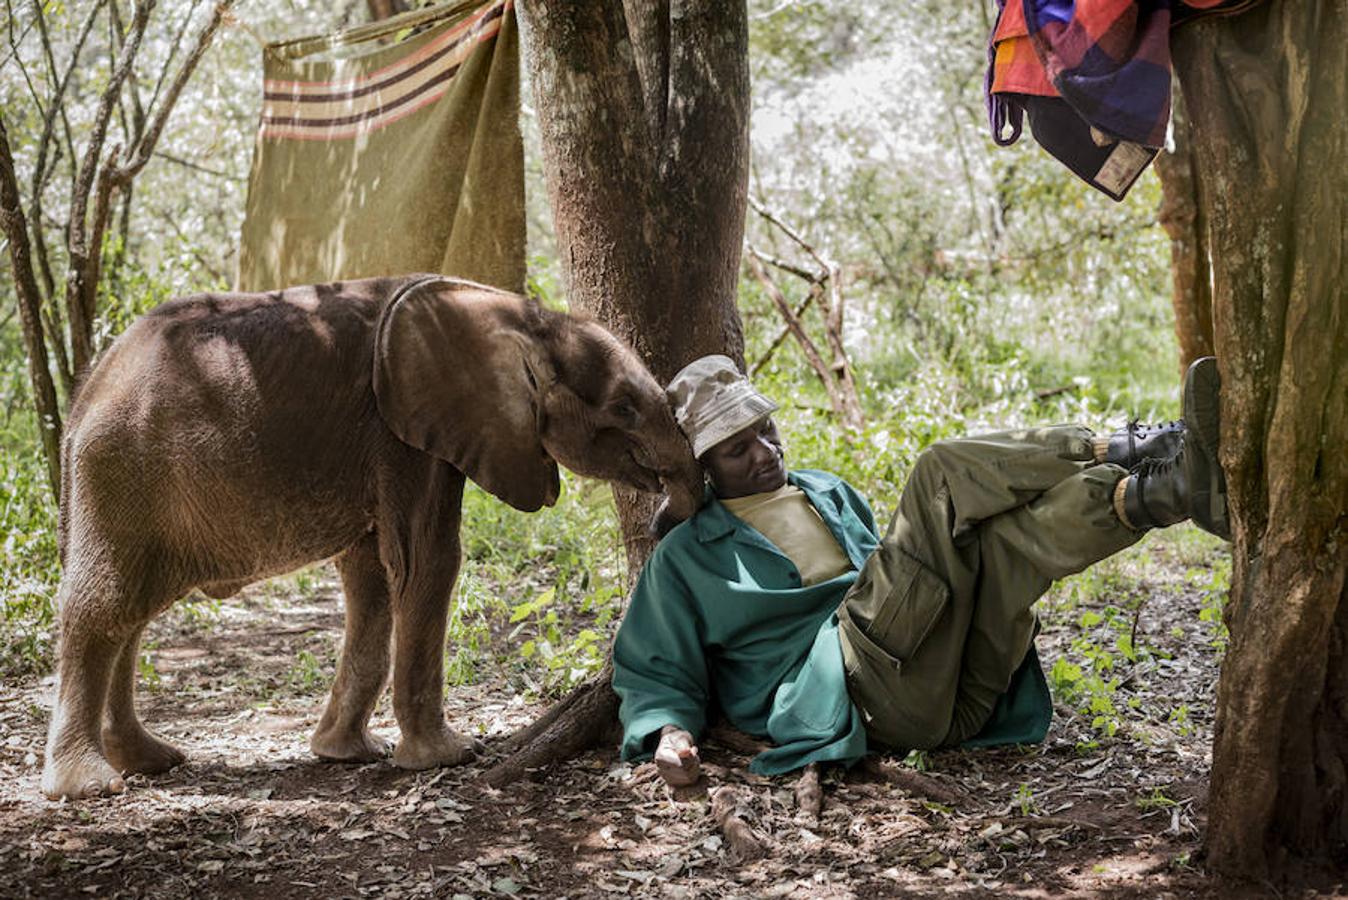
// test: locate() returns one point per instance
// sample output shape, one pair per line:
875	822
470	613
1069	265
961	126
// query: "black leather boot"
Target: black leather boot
1135	442
1157	493
1190	484
1202	414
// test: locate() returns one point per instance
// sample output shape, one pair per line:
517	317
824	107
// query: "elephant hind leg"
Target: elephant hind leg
342	733
102	614
129	747
75	765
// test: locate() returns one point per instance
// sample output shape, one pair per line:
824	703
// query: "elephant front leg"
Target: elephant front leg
418	685
343	733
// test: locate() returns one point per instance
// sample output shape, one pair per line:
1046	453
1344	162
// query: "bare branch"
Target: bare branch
807	345
84	255
23	70
827	289
778	263
137	109
770	216
151	137
51	317
173	52
14	41
41	171
786	330
198	167
61	85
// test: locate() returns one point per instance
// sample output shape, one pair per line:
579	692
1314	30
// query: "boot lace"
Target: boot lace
1137	430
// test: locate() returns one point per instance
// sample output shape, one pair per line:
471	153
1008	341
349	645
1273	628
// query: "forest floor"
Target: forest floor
1111	804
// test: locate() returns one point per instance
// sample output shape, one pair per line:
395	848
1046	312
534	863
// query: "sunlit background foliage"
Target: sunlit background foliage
984	287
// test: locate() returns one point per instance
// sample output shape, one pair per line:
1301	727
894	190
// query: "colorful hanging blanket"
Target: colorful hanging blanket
1092	75
390	158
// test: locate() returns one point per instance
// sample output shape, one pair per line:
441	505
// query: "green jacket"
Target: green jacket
719	615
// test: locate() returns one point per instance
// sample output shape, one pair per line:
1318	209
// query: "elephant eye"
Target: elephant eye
626	411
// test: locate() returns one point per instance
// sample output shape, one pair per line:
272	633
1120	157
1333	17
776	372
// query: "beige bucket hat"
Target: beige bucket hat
712	400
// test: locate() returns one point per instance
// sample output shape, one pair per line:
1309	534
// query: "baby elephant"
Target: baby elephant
226	438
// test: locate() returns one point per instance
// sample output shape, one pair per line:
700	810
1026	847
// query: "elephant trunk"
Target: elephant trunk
683	487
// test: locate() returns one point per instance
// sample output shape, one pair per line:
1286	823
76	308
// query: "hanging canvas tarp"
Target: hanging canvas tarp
381	159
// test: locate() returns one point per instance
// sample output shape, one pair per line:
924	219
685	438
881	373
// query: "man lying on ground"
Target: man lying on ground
780	603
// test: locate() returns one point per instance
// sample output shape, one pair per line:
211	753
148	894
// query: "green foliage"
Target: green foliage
1214	582
29	567
308	675
539	593
1023	800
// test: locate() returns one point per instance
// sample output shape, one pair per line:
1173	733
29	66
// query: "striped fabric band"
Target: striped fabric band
343	108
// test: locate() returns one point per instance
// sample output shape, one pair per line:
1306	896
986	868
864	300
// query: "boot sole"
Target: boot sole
1202	421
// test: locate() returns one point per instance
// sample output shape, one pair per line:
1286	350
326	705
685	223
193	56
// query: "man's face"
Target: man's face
747	462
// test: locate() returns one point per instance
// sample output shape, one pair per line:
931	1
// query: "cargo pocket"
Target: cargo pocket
896	602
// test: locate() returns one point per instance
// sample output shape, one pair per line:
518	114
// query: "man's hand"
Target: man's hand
676	757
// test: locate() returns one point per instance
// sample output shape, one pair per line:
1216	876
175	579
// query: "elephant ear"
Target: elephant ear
457	374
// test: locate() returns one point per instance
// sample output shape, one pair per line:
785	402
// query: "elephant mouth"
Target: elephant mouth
648	481
644	477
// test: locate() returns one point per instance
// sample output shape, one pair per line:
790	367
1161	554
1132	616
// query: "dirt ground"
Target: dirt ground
253	814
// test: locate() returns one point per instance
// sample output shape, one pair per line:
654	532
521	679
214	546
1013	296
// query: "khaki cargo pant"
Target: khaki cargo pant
940	616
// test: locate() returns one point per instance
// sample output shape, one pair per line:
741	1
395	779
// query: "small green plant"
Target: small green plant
1214	584
1023	799
306	675
197	611
1179	717
1157	799
917	759
148	675
566	660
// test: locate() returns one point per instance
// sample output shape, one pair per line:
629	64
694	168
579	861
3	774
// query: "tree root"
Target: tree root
739	836
728	736
911	781
809	793
583	719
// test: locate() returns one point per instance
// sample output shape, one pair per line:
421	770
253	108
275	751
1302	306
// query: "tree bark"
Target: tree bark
644	112
14	226
1182	219
1266	92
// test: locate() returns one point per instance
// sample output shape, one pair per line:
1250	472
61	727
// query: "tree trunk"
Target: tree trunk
1266	93
1181	217
644	113
14	226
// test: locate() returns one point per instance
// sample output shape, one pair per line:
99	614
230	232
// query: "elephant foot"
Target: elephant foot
137	751
349	746
80	774
443	748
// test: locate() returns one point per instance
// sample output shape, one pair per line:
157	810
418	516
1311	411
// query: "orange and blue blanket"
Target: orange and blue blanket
1093	76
